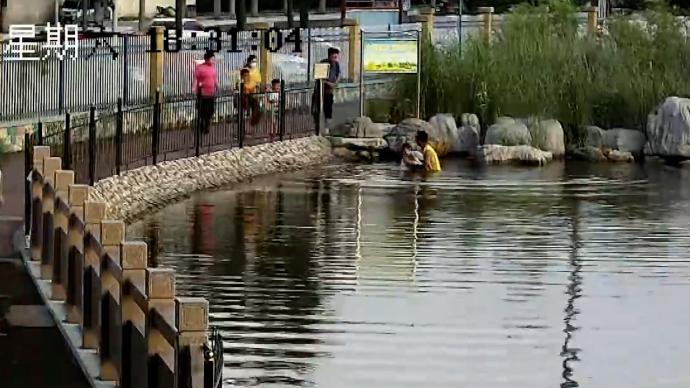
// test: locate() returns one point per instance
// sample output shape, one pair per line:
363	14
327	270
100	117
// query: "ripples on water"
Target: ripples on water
356	276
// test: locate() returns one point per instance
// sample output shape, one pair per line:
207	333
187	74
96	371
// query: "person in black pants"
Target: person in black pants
329	85
205	85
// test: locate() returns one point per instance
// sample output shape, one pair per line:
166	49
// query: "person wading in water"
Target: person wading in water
431	162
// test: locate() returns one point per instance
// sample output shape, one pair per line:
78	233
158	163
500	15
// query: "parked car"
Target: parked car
71	11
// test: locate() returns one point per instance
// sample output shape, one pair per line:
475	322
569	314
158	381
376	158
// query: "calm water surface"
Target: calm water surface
355	276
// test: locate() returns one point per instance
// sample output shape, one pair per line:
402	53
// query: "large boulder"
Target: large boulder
625	140
470	120
508	132
357	127
547	135
668	129
444	135
494	154
405	132
595	136
468	140
589	153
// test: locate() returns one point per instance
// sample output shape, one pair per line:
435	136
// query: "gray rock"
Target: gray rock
357	127
620	156
470	120
668	128
468	140
508	132
595	136
352	143
405	132
492	153
547	135
625	140
444	135
589	153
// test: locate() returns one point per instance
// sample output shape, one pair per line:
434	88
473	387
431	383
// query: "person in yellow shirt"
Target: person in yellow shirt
254	79
431	162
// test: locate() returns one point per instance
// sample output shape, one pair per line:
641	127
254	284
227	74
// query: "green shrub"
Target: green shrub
541	63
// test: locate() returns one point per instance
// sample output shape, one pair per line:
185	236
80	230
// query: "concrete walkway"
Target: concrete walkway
34	352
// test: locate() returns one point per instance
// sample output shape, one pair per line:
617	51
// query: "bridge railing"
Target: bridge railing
144	335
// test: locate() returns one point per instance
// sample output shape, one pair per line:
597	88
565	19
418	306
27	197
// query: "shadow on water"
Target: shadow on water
359	276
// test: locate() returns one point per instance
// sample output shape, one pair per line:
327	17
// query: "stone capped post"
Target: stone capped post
192	322
63	179
94	212
134	310
161	332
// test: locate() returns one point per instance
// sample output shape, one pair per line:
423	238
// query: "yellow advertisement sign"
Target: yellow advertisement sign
390	56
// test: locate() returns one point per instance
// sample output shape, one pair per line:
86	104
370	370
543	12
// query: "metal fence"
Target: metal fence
105	142
118	67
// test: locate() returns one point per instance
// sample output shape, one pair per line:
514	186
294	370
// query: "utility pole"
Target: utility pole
241	15
142	14
290	11
304	14
180	6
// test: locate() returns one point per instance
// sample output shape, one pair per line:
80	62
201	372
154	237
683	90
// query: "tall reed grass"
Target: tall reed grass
543	63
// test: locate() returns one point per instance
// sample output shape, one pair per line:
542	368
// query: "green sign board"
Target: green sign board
390	56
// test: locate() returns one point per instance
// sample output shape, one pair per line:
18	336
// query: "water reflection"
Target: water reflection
353	276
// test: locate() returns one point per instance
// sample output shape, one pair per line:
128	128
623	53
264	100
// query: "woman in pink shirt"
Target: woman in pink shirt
205	85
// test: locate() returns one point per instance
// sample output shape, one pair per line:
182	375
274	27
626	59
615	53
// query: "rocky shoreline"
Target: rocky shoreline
521	140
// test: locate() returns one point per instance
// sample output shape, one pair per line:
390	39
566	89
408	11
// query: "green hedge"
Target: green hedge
540	64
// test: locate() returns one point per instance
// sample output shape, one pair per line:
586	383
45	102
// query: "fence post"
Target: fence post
240	119
61	87
67	144
63	180
125	68
40	133
487	19
353	57
282	110
591	19
94	213
118	136
160	289
28	166
78	194
134	310
319	106
264	52
192	323
156	127
197	127
92	145
112	237
40	154
156	65
51	165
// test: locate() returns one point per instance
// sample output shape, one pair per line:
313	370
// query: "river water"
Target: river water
357	276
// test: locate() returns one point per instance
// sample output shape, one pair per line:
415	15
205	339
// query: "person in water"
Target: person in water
411	159
431	162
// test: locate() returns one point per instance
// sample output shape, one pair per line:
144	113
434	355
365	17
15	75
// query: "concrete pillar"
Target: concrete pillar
78	194
254	9
232	9
50	165
354	48
94	213
134	363
40	154
216	8
112	237
48	231
142	15
487	18
160	289
192	322
264	54
63	179
156	65
322	6
285	6
591	19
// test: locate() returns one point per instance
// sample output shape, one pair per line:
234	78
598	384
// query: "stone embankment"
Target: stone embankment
135	193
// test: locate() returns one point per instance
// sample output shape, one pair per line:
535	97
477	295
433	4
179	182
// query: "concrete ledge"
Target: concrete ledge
135	193
88	360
